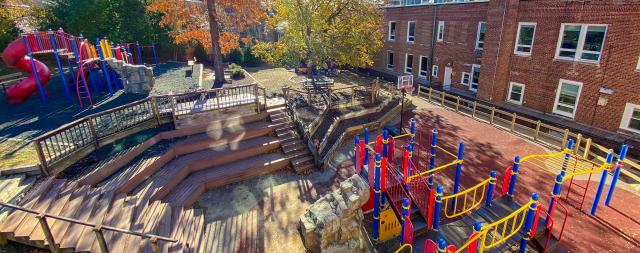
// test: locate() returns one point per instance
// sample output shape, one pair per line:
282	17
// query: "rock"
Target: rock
333	223
138	79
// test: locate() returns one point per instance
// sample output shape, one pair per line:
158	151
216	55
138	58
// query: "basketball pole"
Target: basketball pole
402	111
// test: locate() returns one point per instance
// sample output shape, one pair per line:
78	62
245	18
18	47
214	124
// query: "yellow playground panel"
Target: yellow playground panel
466	201
390	227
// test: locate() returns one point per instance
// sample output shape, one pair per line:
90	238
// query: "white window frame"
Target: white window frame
579	50
406	61
440	30
478	36
394	60
415	27
426	62
434	71
556	100
389	35
511	84
468	78
626	117
471	83
533	38
638	66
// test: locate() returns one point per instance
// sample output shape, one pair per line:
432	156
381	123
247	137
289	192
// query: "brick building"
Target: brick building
574	62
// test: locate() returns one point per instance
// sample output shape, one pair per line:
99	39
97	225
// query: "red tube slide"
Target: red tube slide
15	56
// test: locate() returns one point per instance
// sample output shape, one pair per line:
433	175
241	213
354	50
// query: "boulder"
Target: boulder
138	79
334	222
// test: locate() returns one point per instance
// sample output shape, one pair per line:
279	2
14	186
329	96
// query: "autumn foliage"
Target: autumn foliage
188	22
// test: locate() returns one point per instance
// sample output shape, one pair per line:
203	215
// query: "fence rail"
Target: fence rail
534	129
98	229
61	147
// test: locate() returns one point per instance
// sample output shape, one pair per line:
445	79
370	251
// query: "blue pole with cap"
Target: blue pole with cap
442	246
356	141
603	180
567	156
60	69
405	218
437	207
385	143
514	175
366	149
531	213
616	174
139	53
557	187
490	188
376	200
103	64
432	156
155	57
456	183
43	95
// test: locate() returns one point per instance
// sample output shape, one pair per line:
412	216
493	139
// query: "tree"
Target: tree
217	25
325	32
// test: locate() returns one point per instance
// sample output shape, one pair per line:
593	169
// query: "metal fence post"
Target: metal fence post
493	114
565	138
42	220
473	114
457	103
513	121
537	134
442	98
430	92
587	149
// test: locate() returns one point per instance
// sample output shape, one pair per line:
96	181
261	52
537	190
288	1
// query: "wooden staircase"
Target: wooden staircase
152	187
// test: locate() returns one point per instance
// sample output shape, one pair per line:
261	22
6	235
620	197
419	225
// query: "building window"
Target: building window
475	77
392	30
424	68
411	31
408	64
638	66
631	118
440	30
524	38
390	57
434	71
516	93
567	97
466	77
482	29
580	42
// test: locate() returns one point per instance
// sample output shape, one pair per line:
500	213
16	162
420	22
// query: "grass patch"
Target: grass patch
15	154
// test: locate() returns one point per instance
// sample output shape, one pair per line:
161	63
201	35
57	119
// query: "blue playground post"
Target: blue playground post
437	207
385	143
603	180
557	187
62	76
155	57
616	174
376	200
456	183
43	96
407	173
103	64
129	54
442	246
531	213
366	149
356	142
514	175
477	226
74	47
432	157
492	185
405	216
567	156
139	53
38	40
412	130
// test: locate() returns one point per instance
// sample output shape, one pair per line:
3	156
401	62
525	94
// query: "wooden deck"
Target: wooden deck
153	193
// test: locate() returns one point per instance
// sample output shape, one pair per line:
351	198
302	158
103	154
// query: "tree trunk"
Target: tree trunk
215	47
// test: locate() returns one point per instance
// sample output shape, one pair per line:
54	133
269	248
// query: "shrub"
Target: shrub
236	71
235	56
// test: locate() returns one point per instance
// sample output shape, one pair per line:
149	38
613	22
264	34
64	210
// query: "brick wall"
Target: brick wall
540	72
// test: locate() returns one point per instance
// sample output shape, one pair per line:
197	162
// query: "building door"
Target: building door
447	78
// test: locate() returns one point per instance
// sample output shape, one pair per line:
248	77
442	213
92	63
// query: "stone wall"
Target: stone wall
138	79
333	223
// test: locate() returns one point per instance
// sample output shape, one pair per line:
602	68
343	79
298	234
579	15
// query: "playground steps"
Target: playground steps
12	187
457	232
189	190
218	117
68	199
301	159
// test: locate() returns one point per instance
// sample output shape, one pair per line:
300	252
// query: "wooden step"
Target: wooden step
56	208
181	223
30	199
208	120
163	229
117	240
29	222
190	189
72	236
87	237
243	150
70	210
111	219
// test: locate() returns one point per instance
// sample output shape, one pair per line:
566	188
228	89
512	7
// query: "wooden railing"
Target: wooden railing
533	129
65	145
97	229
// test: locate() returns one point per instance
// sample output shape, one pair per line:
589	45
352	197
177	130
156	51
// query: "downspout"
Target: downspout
504	13
433	43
